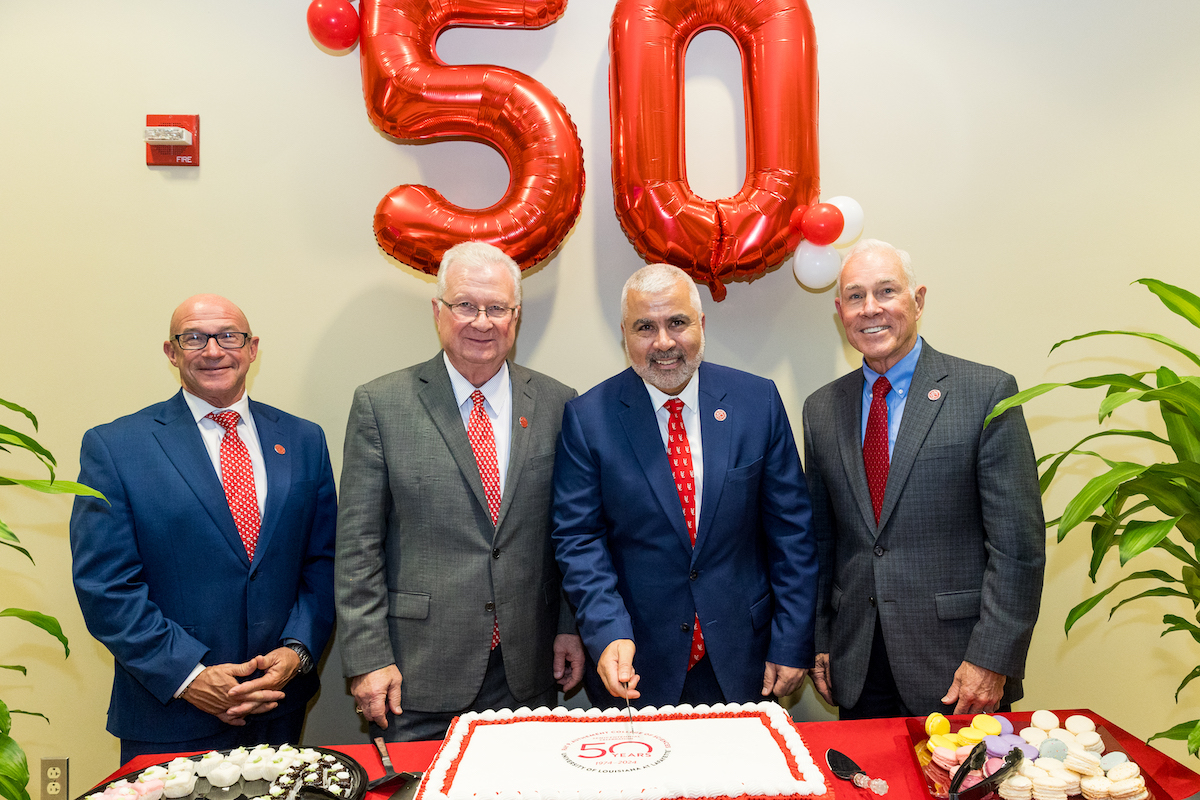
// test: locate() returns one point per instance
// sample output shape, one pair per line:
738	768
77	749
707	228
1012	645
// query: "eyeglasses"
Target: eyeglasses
469	312
226	340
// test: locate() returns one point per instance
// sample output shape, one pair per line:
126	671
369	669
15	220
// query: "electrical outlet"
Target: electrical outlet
55	774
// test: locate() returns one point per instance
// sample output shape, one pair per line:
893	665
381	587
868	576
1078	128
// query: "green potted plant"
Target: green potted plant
14	768
1134	507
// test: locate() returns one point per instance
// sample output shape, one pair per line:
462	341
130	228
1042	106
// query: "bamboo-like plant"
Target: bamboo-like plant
1137	507
14	768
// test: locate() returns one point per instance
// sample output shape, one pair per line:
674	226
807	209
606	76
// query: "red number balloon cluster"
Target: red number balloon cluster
411	94
747	234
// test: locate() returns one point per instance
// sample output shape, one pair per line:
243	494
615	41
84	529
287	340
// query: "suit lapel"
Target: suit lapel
919	413
438	398
847	409
641	428
716	436
524	403
279	470
181	442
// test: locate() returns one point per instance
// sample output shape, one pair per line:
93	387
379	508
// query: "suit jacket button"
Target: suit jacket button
496	553
694	575
879	550
489	606
871	600
685	627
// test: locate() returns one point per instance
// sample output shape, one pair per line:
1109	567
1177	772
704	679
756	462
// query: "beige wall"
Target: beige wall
1034	157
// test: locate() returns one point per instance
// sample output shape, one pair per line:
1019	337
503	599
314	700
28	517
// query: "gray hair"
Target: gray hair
867	246
656	278
477	254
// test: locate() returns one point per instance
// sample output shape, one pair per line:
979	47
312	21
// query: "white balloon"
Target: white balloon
816	265
852	213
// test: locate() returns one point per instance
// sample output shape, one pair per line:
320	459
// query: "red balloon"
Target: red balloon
333	23
822	224
794	235
411	94
743	235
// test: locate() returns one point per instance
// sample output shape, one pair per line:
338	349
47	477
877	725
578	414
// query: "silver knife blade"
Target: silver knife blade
628	708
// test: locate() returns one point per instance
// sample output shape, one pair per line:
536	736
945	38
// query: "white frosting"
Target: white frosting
590	755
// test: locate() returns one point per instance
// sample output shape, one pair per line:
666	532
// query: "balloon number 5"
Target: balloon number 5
411	94
743	235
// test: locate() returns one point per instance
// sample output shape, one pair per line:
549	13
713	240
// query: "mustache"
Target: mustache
666	355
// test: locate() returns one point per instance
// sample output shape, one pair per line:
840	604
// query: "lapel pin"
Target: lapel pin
934	394
524	422
719	415
279	449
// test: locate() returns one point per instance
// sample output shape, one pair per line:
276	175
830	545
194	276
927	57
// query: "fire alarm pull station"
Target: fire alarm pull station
172	140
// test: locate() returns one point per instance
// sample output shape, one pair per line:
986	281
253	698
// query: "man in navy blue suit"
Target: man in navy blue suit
681	517
209	572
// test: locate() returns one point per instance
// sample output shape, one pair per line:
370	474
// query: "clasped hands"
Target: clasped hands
616	670
218	690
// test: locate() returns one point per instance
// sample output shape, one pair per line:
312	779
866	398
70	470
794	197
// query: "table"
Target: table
882	747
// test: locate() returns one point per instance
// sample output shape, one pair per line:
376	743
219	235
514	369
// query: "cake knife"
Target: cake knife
844	767
627	706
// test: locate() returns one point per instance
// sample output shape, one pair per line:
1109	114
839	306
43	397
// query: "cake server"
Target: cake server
627	706
844	767
389	773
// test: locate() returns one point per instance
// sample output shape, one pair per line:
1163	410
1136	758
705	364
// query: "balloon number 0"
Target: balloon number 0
411	94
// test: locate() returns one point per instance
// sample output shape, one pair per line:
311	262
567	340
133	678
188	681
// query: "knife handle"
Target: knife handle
877	785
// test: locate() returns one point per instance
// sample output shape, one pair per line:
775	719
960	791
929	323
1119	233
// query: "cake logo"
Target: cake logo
616	751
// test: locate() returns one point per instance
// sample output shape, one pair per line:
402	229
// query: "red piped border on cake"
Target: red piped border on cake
788	756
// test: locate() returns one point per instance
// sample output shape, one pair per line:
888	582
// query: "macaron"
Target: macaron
1090	740
1078	723
1006	725
936	723
992	765
986	723
1061	733
940	740
1110	760
1029	751
996	746
1034	736
972	735
1046	720
1123	771
1016	787
1054	748
1095	787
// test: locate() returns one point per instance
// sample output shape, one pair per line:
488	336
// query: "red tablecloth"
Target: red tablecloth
882	747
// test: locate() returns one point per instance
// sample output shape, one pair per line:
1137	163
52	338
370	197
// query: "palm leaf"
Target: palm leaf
20	410
1087	605
1141	535
54	487
1094	493
1139	334
1177	623
1116	379
1181	301
1160	591
1191	676
47	623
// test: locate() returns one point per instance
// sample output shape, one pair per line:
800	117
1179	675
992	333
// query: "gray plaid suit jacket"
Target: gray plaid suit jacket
954	568
419	564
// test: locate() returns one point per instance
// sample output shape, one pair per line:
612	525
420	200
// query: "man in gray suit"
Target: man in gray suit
445	573
929	525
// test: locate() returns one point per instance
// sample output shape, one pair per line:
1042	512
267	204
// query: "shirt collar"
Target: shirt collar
202	408
901	373
463	389
690	394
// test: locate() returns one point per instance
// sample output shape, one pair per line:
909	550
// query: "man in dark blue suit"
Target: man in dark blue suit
209	572
681	517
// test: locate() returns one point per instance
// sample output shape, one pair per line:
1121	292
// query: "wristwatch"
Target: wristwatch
306	662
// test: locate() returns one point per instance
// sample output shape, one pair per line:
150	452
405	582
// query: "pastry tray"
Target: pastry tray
243	789
937	780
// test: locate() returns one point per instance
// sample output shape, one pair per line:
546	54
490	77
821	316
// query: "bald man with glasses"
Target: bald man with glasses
208	573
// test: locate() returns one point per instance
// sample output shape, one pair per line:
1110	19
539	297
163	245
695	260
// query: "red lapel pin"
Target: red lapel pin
524	422
279	449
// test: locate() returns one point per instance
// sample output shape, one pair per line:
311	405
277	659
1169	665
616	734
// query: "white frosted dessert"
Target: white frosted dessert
728	751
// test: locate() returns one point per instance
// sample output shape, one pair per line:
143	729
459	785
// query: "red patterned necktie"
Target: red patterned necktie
237	477
483	445
875	444
680	453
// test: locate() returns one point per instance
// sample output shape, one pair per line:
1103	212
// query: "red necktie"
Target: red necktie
875	444
483	445
237	478
680	453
